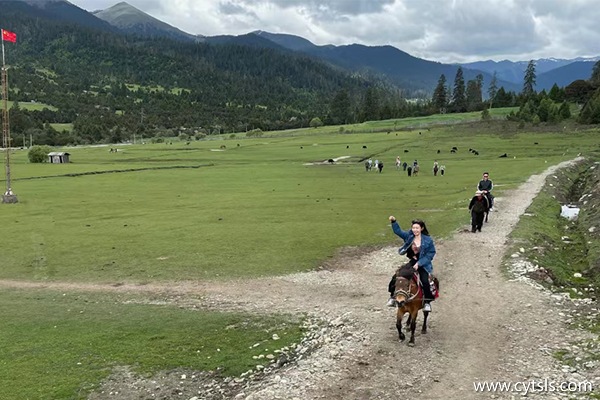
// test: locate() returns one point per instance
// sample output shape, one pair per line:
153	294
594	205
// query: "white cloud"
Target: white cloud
441	30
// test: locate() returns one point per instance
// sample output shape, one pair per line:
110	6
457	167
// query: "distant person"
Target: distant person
370	164
415	163
380	166
478	206
416	169
376	164
442	170
486	186
409	170
404	165
435	168
398	163
367	166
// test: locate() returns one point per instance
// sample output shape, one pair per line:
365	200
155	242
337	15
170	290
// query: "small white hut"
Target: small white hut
57	157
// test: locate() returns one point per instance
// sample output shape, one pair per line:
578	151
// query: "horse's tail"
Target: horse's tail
436	283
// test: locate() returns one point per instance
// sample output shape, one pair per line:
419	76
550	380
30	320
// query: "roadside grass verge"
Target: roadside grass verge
552	241
58	345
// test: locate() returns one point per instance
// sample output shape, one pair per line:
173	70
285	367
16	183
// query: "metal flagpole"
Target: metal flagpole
8	196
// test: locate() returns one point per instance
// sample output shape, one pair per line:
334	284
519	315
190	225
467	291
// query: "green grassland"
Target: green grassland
62	127
58	345
187	211
32	106
134	87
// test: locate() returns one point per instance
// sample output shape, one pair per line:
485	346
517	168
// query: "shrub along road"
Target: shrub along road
483	328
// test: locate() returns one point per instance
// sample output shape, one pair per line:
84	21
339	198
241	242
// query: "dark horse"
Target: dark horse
409	299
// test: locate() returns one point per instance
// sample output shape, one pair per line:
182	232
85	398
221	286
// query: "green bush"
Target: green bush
316	122
39	154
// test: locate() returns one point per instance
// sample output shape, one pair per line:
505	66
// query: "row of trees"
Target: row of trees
533	107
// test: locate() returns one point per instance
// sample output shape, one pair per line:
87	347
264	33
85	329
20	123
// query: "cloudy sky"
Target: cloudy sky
438	30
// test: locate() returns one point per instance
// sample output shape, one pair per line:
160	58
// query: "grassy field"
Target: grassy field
197	211
134	87
58	345
32	106
63	127
178	212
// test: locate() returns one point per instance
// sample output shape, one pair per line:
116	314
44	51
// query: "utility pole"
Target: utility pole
8	196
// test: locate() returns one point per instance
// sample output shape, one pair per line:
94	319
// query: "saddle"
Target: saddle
407	271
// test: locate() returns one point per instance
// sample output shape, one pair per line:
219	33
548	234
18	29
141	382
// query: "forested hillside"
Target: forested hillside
112	85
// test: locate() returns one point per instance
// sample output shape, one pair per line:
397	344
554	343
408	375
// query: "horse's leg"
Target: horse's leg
399	315
486	216
425	315
413	326
408	321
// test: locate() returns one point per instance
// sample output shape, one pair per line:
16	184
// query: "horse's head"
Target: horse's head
402	293
406	287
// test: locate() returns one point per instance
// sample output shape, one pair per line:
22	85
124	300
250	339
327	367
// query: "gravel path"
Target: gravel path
483	327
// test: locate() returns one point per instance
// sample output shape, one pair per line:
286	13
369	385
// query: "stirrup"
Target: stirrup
427	307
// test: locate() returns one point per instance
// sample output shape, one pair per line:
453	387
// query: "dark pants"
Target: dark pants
423	276
490	198
477	221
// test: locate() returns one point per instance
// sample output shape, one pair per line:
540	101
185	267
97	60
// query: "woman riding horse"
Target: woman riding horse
421	244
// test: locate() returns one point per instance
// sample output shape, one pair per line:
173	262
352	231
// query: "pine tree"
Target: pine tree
459	99
440	95
595	78
474	96
529	81
371	105
341	107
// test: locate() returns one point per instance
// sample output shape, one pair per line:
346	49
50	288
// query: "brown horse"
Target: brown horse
409	299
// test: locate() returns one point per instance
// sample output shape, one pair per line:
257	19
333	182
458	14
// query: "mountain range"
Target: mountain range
415	76
402	69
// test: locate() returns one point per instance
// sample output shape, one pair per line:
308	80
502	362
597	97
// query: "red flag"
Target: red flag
9	36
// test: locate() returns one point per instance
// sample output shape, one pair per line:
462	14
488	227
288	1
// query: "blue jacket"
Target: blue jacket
427	251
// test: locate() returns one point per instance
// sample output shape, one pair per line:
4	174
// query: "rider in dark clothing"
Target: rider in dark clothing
486	186
478	206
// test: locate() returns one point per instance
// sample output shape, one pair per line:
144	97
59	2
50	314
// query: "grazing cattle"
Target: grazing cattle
419	133
455	148
238	145
221	147
476	153
330	161
536	143
347	147
301	147
364	147
439	151
503	155
406	151
452	151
